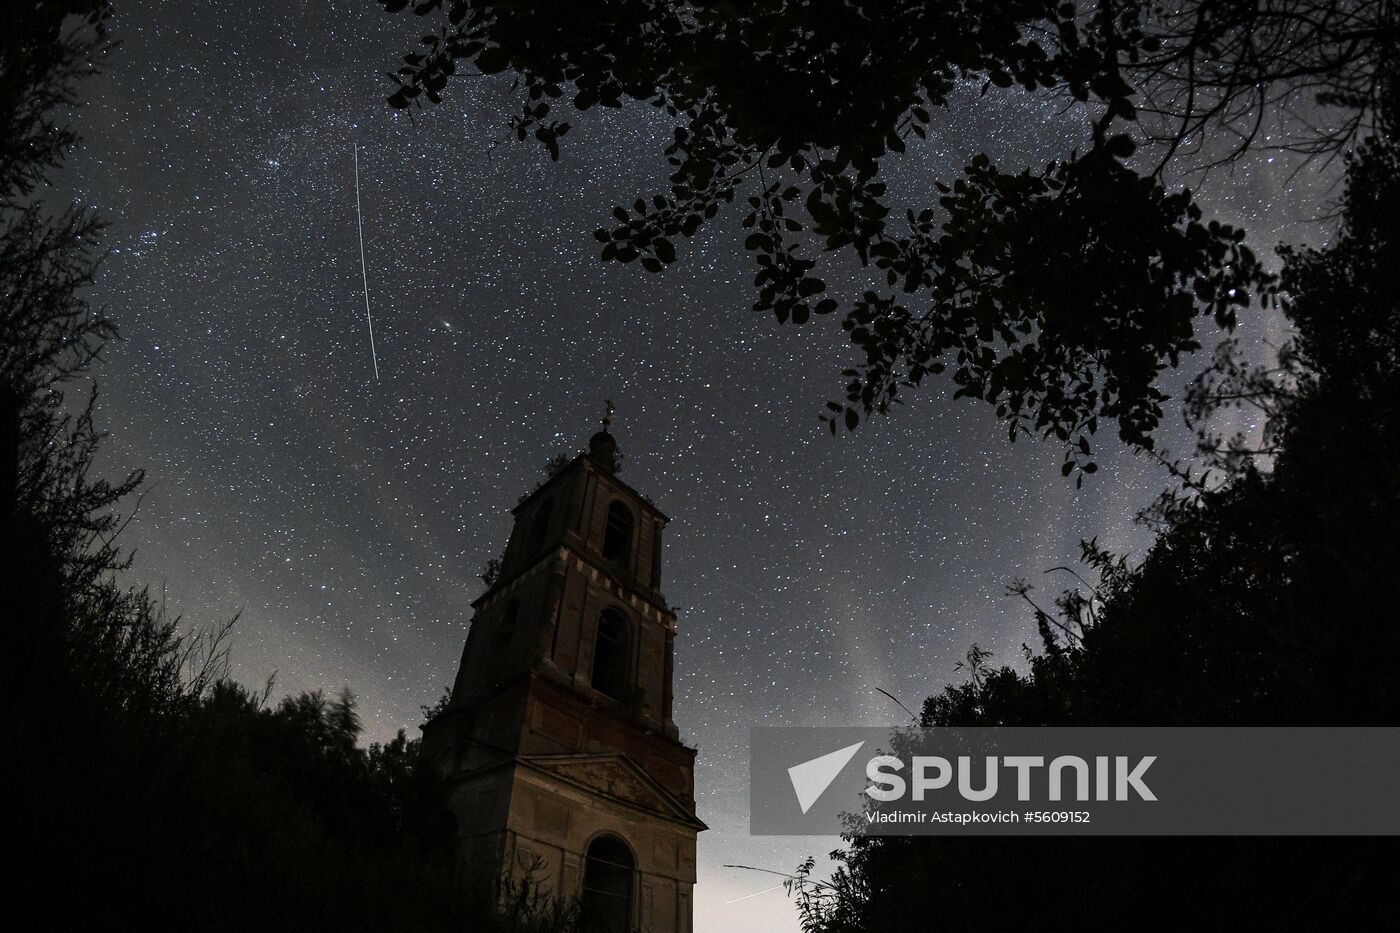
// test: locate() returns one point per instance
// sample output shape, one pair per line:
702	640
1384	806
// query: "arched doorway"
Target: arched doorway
607	887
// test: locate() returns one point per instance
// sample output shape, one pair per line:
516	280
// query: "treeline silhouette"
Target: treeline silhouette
144	788
1268	599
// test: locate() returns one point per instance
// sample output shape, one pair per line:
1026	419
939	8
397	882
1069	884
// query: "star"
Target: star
347	521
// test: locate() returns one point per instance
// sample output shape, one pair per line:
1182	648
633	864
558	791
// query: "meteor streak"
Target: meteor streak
364	274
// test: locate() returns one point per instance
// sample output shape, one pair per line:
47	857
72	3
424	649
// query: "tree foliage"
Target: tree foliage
1265	601
1056	293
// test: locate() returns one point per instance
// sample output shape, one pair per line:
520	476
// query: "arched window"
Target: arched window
607	887
505	630
617	539
612	654
540	529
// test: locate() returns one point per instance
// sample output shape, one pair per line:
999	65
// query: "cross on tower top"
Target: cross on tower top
602	445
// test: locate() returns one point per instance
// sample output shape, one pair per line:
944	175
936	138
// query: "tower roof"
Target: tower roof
601	446
602	453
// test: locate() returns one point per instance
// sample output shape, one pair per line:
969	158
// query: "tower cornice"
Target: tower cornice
588	464
567	554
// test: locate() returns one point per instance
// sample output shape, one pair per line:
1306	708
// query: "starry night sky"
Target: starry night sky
345	521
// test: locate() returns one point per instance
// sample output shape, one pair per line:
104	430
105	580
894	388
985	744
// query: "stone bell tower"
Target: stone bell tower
558	743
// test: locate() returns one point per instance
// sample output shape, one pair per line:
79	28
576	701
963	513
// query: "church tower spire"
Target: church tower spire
563	759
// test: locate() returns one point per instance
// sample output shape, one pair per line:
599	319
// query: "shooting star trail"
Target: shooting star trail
364	274
755	894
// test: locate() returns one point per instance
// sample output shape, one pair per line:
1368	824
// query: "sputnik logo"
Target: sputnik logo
811	778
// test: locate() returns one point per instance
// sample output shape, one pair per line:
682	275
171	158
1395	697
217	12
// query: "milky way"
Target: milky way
345	520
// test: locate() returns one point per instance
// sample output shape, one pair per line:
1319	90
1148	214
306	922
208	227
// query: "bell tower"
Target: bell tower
562	758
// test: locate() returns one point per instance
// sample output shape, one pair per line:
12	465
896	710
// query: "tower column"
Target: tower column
564	766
